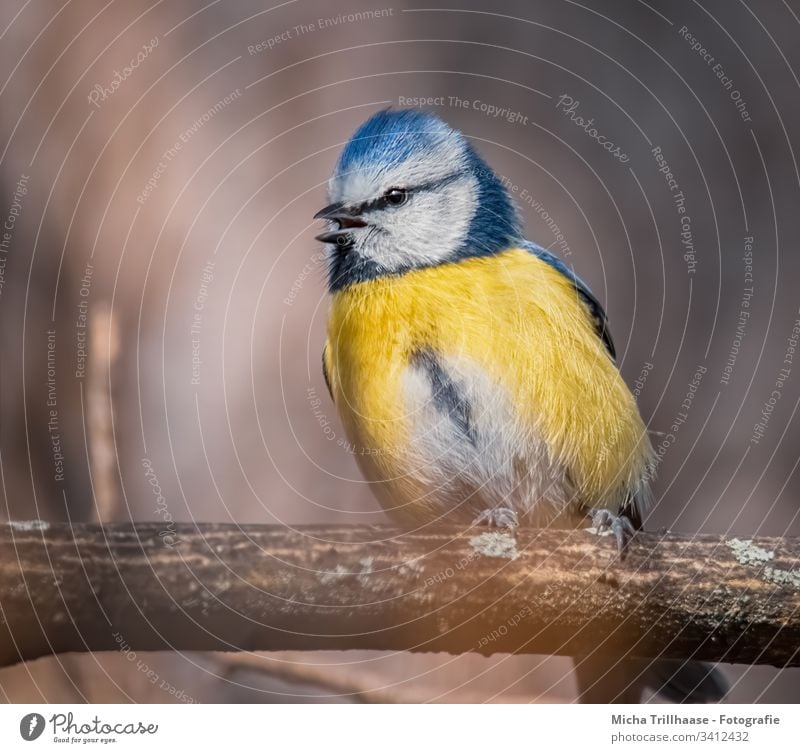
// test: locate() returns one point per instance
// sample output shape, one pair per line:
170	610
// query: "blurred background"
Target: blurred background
163	302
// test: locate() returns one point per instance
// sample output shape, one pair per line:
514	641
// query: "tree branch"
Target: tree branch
137	587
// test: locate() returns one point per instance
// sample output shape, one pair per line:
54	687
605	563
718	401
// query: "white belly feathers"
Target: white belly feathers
469	451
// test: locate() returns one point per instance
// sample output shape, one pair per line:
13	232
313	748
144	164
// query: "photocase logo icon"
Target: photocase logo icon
31	726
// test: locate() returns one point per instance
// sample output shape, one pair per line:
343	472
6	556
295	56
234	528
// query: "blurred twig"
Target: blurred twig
360	685
224	587
103	348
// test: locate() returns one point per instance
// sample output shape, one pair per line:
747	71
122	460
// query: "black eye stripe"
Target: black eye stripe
381	202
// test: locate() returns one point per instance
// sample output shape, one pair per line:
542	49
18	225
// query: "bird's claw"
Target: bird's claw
498	517
619	525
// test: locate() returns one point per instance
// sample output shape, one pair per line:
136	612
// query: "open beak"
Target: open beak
346	217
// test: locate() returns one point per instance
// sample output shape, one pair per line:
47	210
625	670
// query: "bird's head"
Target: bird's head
409	192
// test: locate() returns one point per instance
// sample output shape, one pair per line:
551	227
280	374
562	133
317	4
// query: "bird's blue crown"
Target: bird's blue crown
390	137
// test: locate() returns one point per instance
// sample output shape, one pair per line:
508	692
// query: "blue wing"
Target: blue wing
595	310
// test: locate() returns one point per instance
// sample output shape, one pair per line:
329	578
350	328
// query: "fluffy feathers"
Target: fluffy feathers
518	323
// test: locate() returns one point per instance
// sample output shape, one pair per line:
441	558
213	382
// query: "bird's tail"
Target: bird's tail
606	680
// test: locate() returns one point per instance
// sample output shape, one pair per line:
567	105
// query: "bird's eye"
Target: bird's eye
396	196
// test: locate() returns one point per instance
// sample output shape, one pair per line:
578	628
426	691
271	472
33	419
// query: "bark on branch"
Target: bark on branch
223	587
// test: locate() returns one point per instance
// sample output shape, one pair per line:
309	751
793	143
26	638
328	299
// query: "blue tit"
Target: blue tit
473	371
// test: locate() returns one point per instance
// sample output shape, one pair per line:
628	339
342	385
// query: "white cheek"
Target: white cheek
426	231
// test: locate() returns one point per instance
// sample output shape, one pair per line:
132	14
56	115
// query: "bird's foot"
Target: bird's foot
619	525
498	517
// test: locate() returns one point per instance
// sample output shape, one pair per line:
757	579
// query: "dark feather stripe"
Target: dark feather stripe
325	372
448	398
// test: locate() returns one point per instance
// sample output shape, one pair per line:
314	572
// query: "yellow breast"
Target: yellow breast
520	321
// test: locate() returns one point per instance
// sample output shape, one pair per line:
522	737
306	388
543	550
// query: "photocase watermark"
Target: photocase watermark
444	575
725	81
315	401
678	421
53	428
566	104
744	311
100	93
525	197
82	322
96	730
66	724
317	260
486	108
169	534
504	629
569	107
641	380
183	138
679	200
10	221
781	378
611	439
150	673
196	327
31	726
327	22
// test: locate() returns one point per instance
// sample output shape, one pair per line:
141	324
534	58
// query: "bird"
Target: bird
474	372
